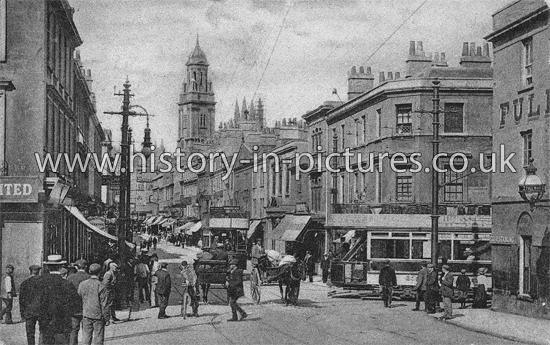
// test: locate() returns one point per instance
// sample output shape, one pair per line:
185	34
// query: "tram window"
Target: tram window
390	249
481	250
445	249
419	250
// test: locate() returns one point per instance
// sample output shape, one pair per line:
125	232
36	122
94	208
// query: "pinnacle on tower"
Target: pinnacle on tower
261	112
243	108
251	111
236	114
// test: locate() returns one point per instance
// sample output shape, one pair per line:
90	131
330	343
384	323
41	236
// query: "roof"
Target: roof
197	57
458	72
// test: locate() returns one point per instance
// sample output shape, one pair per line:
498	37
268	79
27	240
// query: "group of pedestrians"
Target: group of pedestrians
433	289
60	303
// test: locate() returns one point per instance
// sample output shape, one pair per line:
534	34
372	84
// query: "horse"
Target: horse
290	275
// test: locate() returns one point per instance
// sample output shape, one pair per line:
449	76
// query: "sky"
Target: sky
291	53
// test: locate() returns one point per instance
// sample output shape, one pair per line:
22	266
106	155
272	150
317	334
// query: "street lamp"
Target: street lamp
197	209
530	187
146	144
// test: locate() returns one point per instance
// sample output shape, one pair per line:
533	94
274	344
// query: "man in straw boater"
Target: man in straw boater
190	280
235	289
30	302
59	304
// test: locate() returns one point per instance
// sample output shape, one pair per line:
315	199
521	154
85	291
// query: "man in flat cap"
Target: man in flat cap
95	309
110	280
190	281
7	293
447	292
432	289
421	286
30	302
387	281
463	284
76	279
164	285
235	289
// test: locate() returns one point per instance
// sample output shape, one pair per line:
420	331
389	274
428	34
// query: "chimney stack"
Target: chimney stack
475	57
417	61
359	83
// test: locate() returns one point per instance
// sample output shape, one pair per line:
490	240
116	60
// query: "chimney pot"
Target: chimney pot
369	70
89	73
390	75
442	56
486	49
412	48
382	77
419	48
472	49
397	75
479	53
465	49
353	70
436	57
361	69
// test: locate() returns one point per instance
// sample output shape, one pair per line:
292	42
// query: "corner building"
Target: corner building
521	120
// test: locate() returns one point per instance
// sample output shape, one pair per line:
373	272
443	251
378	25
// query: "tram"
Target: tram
359	269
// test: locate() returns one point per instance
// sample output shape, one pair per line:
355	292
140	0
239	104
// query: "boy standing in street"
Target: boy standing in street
235	290
7	293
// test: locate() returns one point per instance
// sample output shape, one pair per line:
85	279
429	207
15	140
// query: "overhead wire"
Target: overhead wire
383	43
272	50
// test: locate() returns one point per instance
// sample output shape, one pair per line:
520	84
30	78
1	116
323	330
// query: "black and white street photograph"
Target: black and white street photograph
274	172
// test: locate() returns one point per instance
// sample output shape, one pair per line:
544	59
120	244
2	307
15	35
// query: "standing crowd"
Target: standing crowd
434	289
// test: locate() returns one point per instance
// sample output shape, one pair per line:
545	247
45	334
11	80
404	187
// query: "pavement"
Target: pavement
319	319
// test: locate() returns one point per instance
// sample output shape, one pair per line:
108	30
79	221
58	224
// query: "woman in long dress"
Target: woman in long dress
480	290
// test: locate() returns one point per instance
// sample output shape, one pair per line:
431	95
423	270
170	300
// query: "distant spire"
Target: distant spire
236	114
251	111
261	112
197	38
243	108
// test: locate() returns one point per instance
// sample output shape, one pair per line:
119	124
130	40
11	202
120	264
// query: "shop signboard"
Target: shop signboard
19	189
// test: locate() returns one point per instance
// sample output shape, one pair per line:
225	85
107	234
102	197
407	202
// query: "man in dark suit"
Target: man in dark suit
60	303
432	289
387	281
447	282
30	302
421	286
164	285
76	279
235	289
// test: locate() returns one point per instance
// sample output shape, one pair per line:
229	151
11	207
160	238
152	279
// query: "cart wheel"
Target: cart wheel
255	285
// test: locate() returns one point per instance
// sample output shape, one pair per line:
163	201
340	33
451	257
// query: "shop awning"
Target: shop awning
151	220
76	212
291	227
185	226
252	228
168	223
158	220
148	220
349	235
194	228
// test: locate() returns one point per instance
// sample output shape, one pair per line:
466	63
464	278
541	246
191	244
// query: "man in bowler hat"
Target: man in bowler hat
164	285
76	279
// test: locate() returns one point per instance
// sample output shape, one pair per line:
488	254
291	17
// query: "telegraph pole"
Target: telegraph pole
435	174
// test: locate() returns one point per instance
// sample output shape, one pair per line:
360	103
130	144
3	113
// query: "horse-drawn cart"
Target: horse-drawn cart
288	274
211	272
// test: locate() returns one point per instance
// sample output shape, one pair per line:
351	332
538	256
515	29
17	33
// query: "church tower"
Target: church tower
196	105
